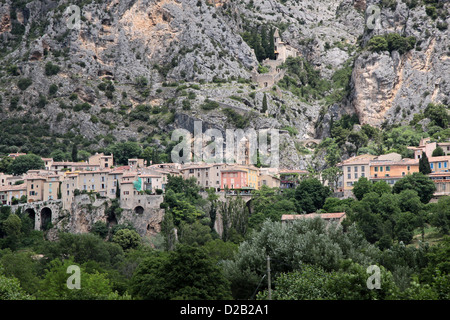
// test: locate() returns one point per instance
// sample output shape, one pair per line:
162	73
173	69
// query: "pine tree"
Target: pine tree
424	165
264	104
265	42
256	45
74	153
271	48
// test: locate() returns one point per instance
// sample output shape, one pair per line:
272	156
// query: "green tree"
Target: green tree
438	113
381	187
94	285
440	217
310	195
424	164
315	243
22	266
24	83
10	289
83	248
125	150
308	283
419	182
438	152
100	228
12	229
195	234
4	164
378	44
185	273
51	69
23	163
127	239
268	203
264	104
362	187
74	153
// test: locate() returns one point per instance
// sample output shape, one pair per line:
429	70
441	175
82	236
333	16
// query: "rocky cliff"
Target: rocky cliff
138	69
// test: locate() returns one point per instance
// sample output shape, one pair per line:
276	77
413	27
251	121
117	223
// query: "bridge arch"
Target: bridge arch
30	213
46	218
139	210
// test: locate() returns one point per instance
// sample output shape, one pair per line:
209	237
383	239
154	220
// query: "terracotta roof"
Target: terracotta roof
17	187
402	162
34	177
440	158
361	159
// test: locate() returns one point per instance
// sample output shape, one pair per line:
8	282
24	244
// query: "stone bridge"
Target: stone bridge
41	212
310	142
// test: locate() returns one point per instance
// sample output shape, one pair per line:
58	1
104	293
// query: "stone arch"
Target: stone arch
139	210
46	218
30	213
248	204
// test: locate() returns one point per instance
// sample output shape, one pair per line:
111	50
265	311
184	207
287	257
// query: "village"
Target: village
64	180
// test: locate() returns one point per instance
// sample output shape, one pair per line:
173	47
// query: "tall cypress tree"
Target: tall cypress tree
265	42
74	153
271	48
264	104
424	164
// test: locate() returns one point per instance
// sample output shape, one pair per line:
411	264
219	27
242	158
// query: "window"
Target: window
363	168
356	169
440	165
349	169
432	166
376	169
349	176
445	164
363	174
356	176
403	174
409	168
388	168
381	169
376	175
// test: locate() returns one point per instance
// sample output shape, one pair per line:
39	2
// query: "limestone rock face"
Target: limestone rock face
144	46
86	211
392	87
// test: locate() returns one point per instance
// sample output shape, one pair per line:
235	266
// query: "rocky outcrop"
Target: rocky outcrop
87	210
390	87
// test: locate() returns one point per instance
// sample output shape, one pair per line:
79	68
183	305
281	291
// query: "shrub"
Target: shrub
51	69
82	107
53	89
24	83
378	44
209	105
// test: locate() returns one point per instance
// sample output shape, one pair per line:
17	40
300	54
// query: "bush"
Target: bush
53	89
209	105
238	120
378	44
82	107
51	69
24	83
